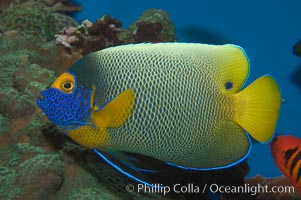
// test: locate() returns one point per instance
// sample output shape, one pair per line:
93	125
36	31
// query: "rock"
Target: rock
153	26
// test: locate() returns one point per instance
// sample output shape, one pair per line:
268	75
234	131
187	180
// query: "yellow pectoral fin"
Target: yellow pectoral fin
116	112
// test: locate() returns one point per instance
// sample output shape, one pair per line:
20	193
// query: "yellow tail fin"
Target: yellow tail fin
257	108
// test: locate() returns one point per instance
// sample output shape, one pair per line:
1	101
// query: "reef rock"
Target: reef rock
153	26
89	37
33	19
52	5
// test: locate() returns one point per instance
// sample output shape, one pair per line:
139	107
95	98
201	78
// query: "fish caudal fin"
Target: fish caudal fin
257	108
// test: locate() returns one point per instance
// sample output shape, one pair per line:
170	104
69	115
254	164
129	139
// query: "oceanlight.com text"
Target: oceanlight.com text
213	188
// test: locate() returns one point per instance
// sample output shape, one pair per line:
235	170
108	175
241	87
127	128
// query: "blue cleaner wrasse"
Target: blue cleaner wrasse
180	103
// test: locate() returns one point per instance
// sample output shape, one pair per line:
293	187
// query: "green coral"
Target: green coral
8	189
9	157
63	21
25	168
18	83
28	148
153	16
3	124
91	194
32	18
37	166
153	26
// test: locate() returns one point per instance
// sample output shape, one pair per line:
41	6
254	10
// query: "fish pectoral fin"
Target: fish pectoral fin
115	112
125	164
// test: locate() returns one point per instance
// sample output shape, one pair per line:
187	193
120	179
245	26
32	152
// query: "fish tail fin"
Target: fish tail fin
257	108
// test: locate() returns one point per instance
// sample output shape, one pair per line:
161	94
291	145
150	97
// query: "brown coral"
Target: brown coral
153	26
62	6
89	37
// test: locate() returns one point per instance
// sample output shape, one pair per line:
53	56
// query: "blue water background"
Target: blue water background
267	30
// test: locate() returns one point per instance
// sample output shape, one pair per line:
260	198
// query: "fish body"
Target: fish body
180	103
286	151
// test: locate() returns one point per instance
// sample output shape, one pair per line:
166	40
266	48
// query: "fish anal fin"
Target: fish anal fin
126	165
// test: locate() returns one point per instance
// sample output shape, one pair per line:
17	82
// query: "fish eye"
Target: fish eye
67	86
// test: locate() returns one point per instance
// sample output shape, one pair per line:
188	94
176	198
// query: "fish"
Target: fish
286	152
181	103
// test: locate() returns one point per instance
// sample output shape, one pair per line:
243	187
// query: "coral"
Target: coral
29	172
61	6
63	21
89	37
9	188
30	18
153	26
35	19
52	5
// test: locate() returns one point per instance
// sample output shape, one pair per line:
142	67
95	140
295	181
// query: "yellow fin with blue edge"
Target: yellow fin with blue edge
257	108
115	112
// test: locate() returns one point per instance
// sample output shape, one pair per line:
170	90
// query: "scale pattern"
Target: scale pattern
178	106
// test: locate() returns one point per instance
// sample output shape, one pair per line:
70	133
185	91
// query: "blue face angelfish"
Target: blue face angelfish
179	103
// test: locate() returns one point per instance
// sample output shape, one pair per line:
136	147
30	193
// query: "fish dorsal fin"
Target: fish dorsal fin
232	68
115	112
128	166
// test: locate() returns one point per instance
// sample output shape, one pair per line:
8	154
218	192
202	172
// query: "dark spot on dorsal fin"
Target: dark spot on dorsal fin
228	85
288	154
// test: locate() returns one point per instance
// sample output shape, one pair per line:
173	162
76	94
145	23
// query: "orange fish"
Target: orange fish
286	151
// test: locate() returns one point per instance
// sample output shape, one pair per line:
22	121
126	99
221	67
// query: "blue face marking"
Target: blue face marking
228	85
68	111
